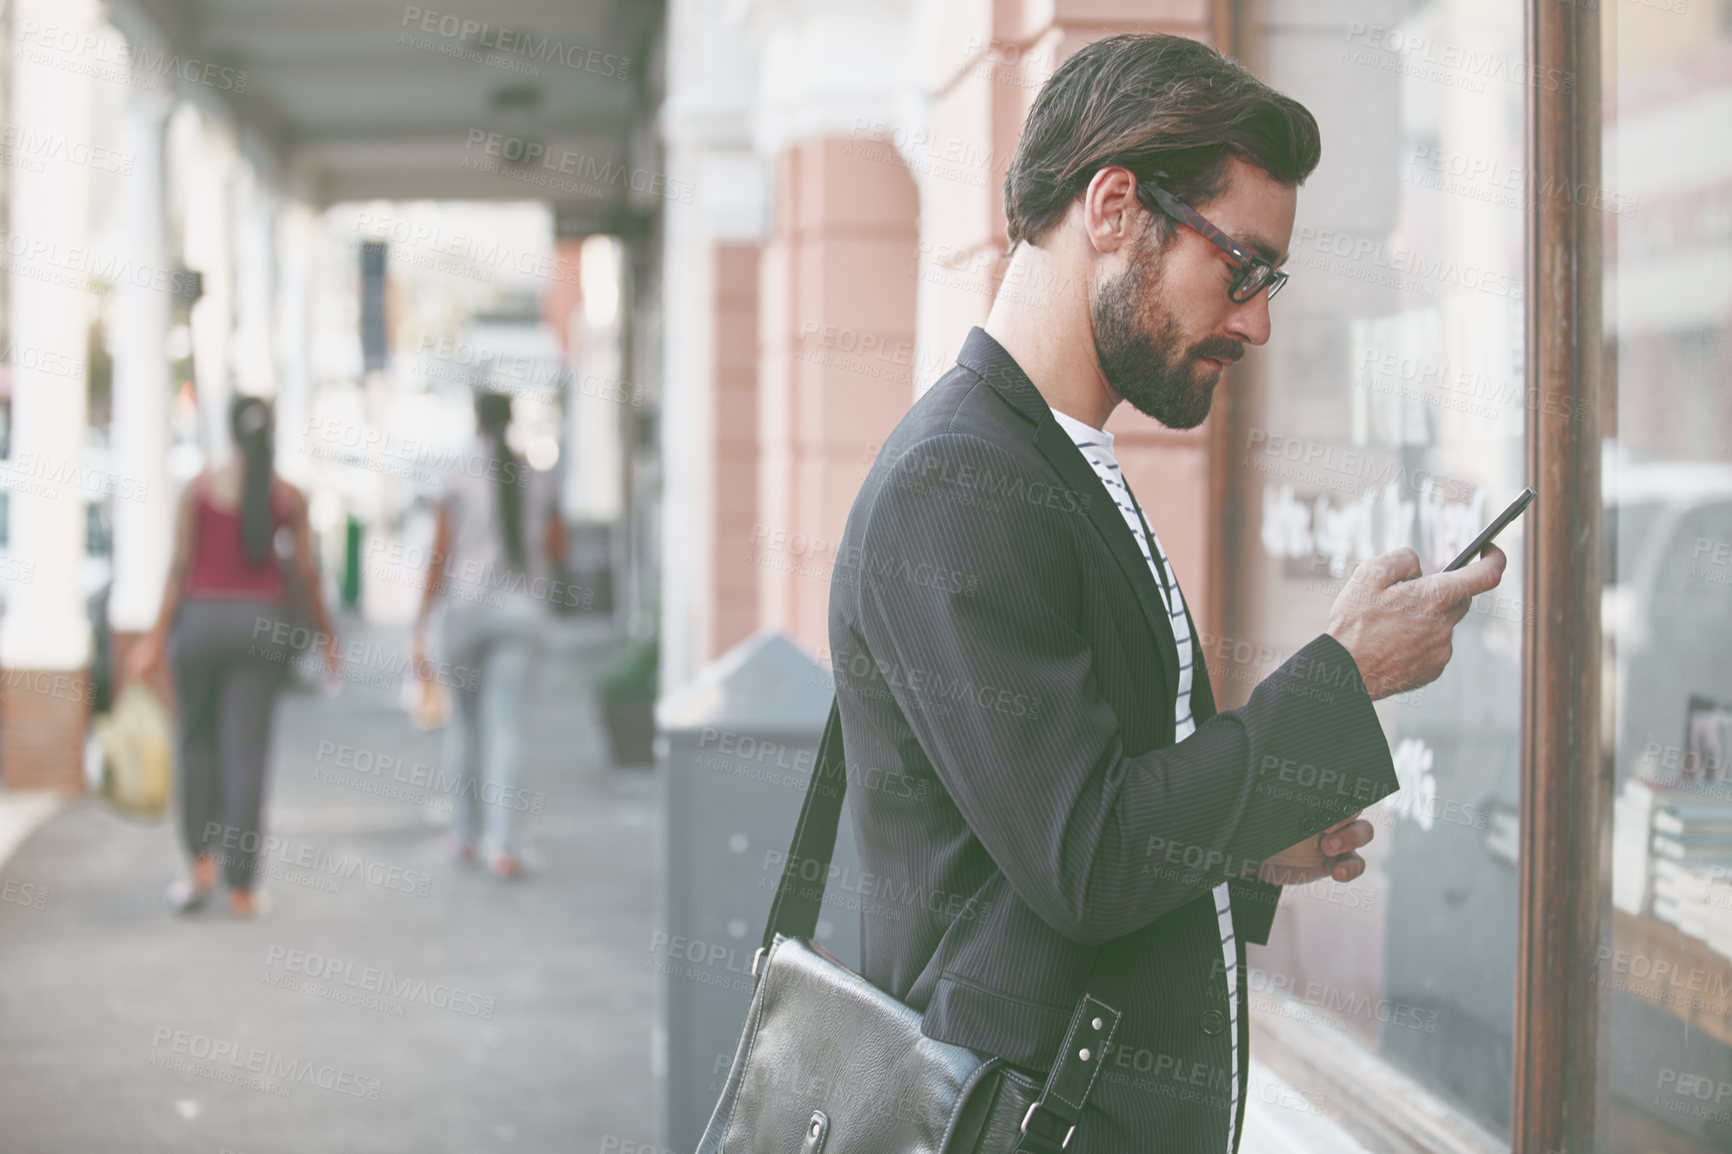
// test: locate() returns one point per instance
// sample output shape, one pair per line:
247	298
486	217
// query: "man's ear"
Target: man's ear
1110	209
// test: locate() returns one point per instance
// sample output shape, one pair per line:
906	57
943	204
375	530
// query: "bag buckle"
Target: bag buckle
1062	1142
757	957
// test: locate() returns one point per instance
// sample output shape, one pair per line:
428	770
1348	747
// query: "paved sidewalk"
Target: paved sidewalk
502	1016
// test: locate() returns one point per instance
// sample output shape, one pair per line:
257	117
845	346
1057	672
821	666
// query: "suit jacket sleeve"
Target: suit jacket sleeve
1096	840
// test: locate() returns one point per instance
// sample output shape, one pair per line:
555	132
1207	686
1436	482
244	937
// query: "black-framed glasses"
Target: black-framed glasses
1254	273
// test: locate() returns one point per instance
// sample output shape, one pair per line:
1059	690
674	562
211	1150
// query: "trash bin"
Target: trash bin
739	744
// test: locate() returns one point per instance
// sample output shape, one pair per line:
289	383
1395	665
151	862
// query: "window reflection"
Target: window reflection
1666	970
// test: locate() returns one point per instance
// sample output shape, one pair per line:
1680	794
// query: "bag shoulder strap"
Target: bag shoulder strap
794	912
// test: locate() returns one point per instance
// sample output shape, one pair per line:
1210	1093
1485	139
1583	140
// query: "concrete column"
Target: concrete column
45	636
297	239
252	363
143	392
209	243
595	463
709	419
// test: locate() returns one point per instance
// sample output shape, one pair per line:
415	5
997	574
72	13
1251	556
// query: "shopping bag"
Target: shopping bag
138	756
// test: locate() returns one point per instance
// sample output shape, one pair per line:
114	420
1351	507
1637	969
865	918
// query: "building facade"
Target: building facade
1511	268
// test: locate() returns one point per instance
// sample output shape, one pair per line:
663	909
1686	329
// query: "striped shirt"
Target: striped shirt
1097	449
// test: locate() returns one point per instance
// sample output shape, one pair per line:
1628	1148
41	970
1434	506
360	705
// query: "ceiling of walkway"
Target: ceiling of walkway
381	98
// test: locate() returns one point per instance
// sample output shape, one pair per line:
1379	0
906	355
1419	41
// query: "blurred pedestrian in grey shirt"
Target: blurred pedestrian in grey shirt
496	548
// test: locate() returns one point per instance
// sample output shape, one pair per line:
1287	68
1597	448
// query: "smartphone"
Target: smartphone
1514	510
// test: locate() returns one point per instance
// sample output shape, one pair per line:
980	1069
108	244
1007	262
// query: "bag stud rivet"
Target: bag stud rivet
816	1126
1098	1023
1083	1054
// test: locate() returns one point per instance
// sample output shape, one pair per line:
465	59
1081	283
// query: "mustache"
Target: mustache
1219	348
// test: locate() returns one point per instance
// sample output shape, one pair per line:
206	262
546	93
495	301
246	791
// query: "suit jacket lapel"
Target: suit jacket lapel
987	358
1061	452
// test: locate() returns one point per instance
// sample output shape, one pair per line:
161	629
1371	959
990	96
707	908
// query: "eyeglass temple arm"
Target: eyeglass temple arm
1190	217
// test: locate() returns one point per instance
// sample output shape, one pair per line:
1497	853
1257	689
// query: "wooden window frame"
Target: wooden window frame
1566	787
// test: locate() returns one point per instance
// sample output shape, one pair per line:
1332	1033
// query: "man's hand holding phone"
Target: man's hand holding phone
1398	624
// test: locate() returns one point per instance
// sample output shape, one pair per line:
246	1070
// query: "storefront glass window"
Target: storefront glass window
1391	413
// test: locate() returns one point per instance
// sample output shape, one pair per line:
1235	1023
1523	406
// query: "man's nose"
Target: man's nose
1249	320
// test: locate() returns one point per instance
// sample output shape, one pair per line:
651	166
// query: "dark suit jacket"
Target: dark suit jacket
1027	827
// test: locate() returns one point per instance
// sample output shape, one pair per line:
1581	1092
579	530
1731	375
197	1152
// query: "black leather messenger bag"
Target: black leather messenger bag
830	1064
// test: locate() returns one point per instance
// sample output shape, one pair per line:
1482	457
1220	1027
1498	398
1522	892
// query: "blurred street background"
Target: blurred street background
712	251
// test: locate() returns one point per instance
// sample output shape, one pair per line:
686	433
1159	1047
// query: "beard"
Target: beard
1144	361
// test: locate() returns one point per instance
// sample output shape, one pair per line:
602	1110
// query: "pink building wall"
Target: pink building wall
836	293
735	576
855	240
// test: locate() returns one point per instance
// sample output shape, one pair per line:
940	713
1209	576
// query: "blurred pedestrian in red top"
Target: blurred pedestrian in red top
242	542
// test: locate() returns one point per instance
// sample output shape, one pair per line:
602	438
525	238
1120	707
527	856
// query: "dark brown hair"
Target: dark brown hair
493	416
250	423
1154	104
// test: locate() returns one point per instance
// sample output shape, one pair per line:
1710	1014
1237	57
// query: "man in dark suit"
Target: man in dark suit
1041	785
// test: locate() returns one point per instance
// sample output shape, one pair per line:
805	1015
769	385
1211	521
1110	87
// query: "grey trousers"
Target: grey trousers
497	645
228	658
